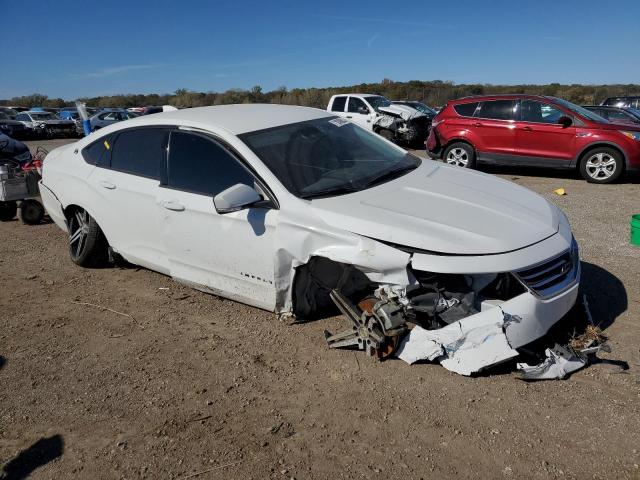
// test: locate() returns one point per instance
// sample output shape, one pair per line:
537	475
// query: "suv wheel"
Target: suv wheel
460	154
601	165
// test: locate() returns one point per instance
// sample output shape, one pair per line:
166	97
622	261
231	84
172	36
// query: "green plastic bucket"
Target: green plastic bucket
635	230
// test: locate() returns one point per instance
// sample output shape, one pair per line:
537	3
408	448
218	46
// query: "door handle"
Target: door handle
107	185
349	116
477	124
175	206
527	129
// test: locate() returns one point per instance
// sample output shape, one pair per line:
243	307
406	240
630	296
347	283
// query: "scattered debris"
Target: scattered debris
560	191
560	362
590	337
209	470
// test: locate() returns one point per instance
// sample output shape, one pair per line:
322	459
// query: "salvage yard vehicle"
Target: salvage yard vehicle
624	101
535	131
12	128
297	211
397	123
616	114
46	124
103	119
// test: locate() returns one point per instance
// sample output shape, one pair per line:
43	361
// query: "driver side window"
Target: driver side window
198	164
539	112
356	105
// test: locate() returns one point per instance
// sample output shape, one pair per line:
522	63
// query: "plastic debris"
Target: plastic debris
560	191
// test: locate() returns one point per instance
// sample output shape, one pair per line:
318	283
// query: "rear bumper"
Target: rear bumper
53	206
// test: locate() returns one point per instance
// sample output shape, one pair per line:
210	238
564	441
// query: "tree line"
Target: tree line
433	93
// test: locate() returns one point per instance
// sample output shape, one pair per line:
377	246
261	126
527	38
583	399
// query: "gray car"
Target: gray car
102	119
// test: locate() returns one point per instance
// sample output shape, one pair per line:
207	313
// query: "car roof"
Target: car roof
502	96
236	119
358	94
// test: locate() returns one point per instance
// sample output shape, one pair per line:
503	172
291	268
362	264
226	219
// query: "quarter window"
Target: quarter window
356	105
338	104
140	151
198	164
539	112
466	109
498	110
98	153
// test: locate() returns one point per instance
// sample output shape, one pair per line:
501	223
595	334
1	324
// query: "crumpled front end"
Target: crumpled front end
395	306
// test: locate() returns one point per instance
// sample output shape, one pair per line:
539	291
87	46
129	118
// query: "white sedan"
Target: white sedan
297	211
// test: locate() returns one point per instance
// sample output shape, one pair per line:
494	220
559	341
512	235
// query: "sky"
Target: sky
74	48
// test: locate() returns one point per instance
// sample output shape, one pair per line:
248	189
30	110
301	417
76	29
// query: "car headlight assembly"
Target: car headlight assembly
632	135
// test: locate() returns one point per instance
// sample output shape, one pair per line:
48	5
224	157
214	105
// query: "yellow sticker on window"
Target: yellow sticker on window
106	145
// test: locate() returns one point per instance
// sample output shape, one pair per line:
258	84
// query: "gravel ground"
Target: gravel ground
180	383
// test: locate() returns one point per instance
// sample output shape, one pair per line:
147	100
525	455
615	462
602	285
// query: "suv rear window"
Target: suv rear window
338	104
466	109
498	110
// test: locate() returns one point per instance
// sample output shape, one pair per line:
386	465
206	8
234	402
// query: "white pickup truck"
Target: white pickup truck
398	123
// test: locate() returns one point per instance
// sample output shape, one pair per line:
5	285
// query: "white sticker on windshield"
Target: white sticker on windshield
338	122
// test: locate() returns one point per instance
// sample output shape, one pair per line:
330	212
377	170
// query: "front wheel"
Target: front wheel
601	165
87	244
460	154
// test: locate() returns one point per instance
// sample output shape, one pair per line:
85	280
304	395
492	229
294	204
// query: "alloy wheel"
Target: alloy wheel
600	166
78	232
458	157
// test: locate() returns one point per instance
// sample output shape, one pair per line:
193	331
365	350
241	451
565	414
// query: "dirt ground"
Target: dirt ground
181	384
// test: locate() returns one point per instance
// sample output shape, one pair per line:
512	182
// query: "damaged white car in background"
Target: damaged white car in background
297	211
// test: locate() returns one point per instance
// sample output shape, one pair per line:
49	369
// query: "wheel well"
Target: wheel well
458	140
591	148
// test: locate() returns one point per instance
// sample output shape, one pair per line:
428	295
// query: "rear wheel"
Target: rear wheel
460	154
8	211
87	245
31	212
601	165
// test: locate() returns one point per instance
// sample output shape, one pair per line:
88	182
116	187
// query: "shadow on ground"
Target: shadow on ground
40	453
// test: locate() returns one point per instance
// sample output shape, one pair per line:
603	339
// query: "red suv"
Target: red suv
536	131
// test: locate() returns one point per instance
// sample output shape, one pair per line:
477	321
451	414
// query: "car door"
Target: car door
124	189
494	124
229	254
540	139
359	112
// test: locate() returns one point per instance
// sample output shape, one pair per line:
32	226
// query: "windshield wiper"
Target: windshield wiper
327	192
389	175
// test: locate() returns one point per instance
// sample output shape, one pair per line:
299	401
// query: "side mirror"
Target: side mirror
565	121
235	198
363	110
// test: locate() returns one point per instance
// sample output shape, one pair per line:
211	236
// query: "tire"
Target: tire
31	212
8	211
87	244
387	134
601	165
460	154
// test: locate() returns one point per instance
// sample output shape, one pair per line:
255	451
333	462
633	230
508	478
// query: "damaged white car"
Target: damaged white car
297	211
395	122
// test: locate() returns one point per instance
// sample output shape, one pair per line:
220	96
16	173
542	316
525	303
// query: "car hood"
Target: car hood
403	111
445	209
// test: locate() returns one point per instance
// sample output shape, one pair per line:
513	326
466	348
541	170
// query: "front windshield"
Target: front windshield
583	112
378	101
42	116
328	157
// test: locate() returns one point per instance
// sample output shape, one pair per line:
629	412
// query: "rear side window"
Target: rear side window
466	109
140	151
99	153
338	104
198	164
498	110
